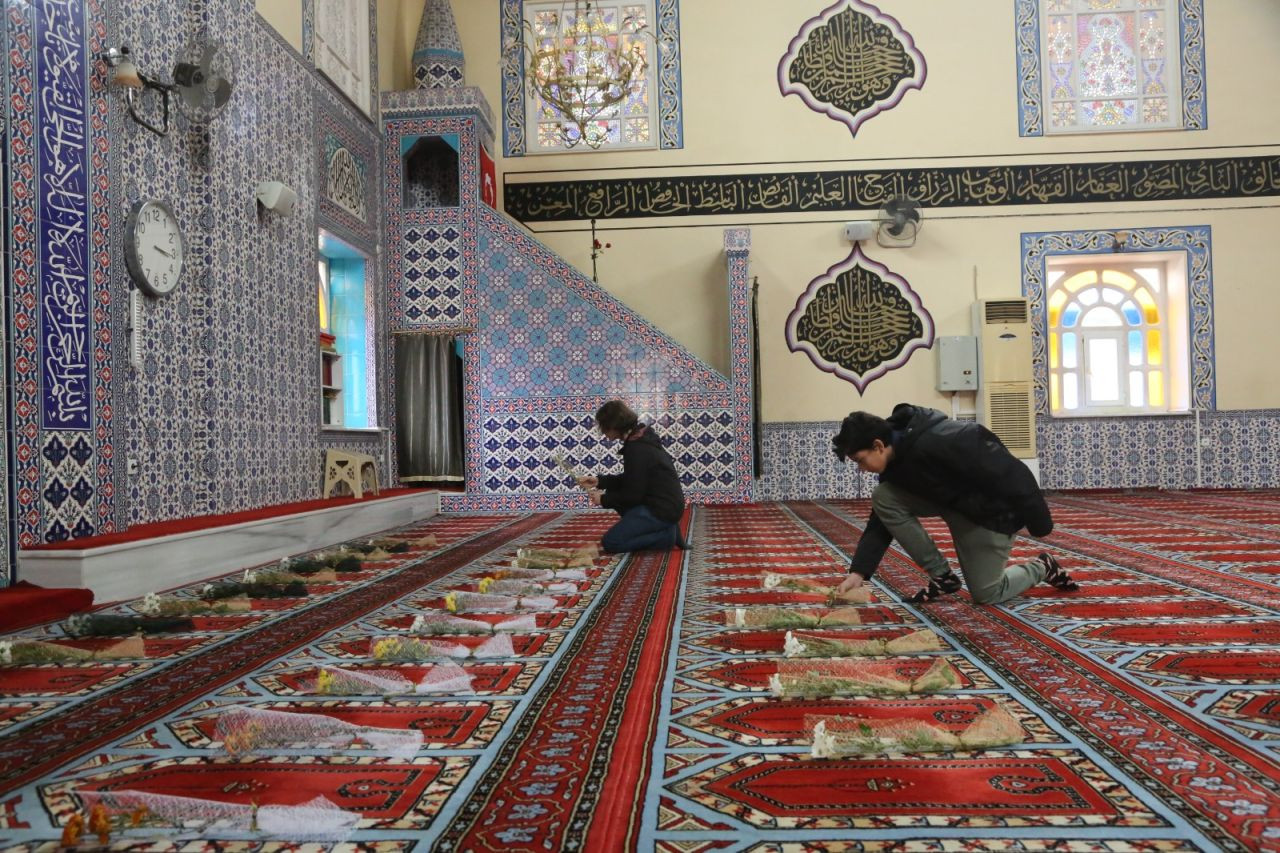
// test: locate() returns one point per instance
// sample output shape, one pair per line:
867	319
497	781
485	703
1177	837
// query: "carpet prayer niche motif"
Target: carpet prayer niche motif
454	690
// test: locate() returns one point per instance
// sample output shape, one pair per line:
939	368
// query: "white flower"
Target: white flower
250	576
739	617
77	624
150	604
207	589
6	651
792	647
283	565
772	580
775	684
419	623
823	744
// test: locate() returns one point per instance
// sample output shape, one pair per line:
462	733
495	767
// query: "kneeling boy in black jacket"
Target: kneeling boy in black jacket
930	465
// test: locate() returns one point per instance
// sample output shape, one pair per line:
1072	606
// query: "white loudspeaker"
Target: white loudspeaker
274	195
857	231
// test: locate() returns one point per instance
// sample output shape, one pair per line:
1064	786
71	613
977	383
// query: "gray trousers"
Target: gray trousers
982	553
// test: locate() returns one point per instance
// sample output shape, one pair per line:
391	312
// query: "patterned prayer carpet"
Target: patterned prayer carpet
629	715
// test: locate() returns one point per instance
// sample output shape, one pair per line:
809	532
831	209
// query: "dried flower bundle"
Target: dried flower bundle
267	583
336	681
460	601
445	678
444	623
798	645
315	820
169	605
394	648
790	617
792	583
35	651
553	558
110	625
540	574
244	730
813	678
834	736
525	587
385	546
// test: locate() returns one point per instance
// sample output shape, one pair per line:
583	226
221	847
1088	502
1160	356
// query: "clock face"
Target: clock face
153	248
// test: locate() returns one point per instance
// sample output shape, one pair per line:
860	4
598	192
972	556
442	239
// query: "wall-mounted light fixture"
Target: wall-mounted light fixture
202	83
126	77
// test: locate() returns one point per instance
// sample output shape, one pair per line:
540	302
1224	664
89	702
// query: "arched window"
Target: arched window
1117	336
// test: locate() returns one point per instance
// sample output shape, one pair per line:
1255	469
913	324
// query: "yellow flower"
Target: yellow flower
485	583
324	683
451	603
385	648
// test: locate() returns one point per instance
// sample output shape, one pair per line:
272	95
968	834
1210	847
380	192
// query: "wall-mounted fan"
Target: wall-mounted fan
203	77
899	221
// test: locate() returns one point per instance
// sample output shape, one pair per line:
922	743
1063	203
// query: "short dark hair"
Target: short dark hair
858	432
616	416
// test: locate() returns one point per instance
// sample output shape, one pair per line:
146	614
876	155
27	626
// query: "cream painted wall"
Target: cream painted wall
735	119
397	30
396	18
286	17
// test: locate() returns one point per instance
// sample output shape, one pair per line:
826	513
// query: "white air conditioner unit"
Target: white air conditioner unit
1006	400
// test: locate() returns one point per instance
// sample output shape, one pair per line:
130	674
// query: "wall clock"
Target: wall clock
153	247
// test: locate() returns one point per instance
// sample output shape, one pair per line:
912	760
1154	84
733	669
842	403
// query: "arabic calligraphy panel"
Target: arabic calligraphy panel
859	321
851	62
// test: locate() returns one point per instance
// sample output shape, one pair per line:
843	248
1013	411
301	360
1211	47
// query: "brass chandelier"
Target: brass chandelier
581	65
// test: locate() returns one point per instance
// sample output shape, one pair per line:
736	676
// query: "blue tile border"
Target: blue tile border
1194	240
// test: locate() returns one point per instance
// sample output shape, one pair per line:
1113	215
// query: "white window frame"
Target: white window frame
1054	12
533	115
341	48
1171	299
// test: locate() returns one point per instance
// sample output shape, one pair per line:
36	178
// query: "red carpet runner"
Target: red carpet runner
630	716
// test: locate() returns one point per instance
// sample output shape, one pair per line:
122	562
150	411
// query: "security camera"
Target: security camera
274	195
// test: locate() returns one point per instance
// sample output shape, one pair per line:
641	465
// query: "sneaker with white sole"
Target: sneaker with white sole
938	587
1054	575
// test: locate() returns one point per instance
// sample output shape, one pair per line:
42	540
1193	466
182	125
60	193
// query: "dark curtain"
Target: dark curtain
756	438
428	409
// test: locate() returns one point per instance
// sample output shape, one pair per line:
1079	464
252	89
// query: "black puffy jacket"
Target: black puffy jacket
959	465
648	477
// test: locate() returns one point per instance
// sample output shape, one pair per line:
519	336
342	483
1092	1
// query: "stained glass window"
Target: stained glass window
629	123
1111	65
1114	346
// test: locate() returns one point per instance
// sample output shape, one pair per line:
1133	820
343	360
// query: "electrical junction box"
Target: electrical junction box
957	363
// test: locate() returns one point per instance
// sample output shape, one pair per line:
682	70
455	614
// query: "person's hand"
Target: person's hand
594	496
850	583
588	482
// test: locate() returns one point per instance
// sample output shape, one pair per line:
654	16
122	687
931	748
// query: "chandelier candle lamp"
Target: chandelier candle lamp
581	63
